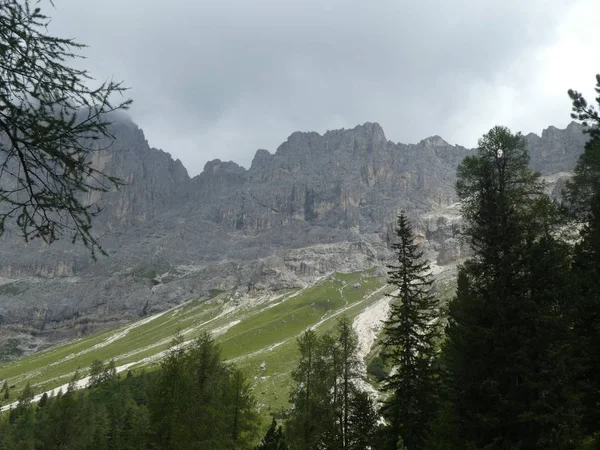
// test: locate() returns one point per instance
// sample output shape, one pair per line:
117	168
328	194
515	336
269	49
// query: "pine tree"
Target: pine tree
26	396
96	373
586	270
274	439
6	390
362	422
411	332
507	331
328	391
347	342
303	426
43	400
583	198
49	122
586	182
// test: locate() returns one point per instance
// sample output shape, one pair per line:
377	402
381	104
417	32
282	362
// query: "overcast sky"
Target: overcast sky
222	78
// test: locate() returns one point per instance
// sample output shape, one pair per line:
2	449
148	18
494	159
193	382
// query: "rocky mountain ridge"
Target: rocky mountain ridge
319	203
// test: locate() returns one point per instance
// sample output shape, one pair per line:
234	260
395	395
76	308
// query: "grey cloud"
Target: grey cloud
222	78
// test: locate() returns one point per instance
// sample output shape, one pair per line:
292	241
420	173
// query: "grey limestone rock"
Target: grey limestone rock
318	204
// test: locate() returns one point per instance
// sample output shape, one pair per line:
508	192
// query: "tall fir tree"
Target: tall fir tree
586	182
362	422
303	425
347	344
274	439
411	333
5	391
507	324
583	198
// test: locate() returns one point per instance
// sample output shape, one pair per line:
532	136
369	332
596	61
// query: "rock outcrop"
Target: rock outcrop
320	203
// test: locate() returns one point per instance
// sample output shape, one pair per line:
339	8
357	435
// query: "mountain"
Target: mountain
319	204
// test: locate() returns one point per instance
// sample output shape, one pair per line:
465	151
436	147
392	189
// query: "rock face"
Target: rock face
320	203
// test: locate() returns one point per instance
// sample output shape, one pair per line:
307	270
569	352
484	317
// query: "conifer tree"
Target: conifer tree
96	373
410	335
50	120
583	198
43	400
5	390
507	324
347	343
586	182
329	410
362	422
274	439
303	426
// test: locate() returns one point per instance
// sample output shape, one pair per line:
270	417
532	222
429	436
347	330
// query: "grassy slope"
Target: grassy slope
250	331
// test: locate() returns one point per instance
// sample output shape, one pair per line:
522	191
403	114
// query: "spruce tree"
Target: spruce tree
96	373
347	342
43	400
274	439
305	424
5	390
362	422
583	198
411	332
505	377
586	182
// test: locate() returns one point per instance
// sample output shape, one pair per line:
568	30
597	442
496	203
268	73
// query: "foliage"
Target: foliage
50	123
411	332
509	372
274	439
195	401
586	182
99	373
376	368
583	197
5	391
328	408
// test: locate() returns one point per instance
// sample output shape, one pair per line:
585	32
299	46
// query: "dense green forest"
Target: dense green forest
517	365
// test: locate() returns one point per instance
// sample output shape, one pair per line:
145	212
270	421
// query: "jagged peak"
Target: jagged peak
218	166
260	157
575	126
434	141
369	130
551	130
372	127
367	127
